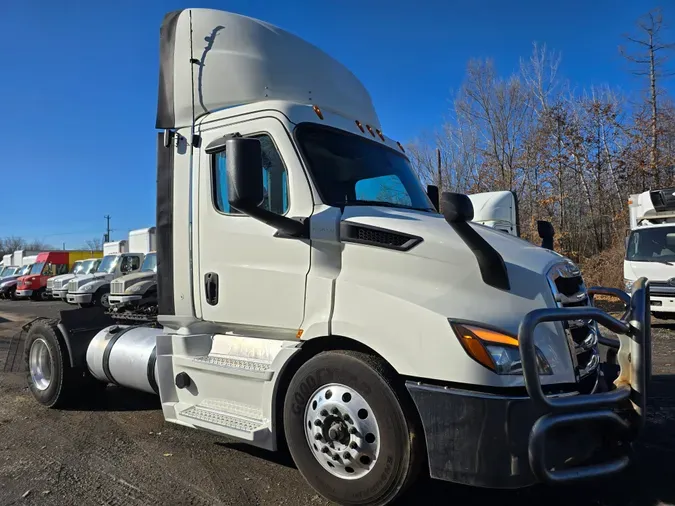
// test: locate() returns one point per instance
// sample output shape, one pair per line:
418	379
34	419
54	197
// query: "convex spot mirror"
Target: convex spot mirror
244	177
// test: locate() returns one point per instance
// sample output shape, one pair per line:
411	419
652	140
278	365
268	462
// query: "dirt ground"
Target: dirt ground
123	453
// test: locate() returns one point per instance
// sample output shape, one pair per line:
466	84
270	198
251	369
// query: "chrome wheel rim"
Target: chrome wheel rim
105	300
342	431
40	363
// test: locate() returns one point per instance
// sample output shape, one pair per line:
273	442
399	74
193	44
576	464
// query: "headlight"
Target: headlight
27	283
497	351
86	288
135	288
629	284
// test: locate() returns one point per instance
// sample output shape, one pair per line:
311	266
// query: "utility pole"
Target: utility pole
107	233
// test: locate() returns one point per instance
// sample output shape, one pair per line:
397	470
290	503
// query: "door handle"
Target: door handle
211	288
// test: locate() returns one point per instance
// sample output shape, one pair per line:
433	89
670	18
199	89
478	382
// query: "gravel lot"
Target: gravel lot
122	452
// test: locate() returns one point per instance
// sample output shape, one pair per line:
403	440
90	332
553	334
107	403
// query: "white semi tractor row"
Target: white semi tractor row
310	293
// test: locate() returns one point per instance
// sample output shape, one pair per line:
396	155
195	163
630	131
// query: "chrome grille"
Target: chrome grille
117	287
569	290
50	284
58	284
73	286
661	288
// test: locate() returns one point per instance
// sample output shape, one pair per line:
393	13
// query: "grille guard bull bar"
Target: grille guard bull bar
623	408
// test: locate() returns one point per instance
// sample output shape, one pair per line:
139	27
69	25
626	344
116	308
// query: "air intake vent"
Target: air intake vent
374	236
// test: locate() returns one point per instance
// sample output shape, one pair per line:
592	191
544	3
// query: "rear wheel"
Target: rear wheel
352	436
51	379
12	293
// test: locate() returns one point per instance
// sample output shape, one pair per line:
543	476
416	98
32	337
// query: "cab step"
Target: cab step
260	370
227	417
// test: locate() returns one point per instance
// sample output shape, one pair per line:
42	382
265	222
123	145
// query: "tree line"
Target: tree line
572	156
14	243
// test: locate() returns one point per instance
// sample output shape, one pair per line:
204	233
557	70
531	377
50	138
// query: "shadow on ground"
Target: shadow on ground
114	398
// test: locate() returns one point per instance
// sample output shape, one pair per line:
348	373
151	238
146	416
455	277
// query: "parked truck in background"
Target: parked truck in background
94	289
138	287
9	283
57	286
311	295
47	265
650	247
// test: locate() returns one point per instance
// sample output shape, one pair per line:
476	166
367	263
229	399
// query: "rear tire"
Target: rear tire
51	379
367	458
12	293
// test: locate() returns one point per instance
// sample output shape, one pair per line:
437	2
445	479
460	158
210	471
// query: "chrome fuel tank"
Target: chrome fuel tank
125	356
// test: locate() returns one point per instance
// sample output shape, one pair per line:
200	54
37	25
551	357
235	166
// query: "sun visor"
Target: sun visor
219	59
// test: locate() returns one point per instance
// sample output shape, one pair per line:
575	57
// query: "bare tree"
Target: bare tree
650	61
14	243
94	244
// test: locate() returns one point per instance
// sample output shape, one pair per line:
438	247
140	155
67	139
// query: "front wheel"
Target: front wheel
351	434
101	298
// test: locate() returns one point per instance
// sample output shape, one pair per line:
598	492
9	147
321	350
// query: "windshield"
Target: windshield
351	170
24	270
652	245
8	271
108	264
150	263
77	268
37	268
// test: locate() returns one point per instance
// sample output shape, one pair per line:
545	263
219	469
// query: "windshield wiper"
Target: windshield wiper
386	204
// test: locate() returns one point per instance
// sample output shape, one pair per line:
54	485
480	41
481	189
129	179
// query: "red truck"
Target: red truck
47	264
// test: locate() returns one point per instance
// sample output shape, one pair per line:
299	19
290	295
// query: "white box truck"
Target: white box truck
310	293
58	285
138	287
94	289
650	248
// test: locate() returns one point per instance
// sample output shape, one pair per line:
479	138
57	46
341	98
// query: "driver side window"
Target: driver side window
275	179
130	263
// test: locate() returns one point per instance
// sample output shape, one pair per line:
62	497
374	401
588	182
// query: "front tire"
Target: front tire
353	437
101	298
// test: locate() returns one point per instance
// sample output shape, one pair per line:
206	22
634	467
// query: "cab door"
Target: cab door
247	276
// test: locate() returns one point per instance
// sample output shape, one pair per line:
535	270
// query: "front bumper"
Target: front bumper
79	298
124	299
497	441
662	303
23	293
60	294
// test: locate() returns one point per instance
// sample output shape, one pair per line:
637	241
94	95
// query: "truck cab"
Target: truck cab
137	287
58	285
48	264
8	270
8	284
94	289
650	248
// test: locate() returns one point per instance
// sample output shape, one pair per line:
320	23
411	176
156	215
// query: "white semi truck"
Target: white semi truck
94	289
309	292
650	247
140	286
57	286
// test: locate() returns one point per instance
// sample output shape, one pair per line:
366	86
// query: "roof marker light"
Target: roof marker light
400	146
358	124
370	130
379	133
317	111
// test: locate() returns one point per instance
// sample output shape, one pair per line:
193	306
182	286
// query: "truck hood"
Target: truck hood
441	243
654	271
439	280
120	285
8	279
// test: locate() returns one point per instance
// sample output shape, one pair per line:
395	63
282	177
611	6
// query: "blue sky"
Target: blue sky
78	94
